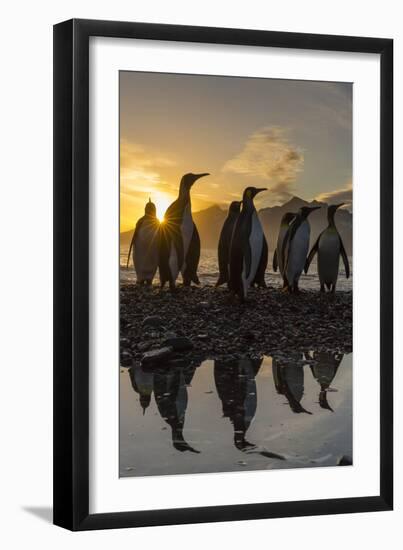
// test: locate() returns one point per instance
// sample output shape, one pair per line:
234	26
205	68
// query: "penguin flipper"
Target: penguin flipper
192	258
275	261
135	233
259	278
345	258
312	253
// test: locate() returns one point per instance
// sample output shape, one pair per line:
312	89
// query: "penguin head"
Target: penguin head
287	218
150	209
251	192
306	210
235	207
333	207
145	400
331	210
189	179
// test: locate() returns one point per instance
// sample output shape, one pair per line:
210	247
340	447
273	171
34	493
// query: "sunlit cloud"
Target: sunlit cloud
269	155
141	179
345	195
140	169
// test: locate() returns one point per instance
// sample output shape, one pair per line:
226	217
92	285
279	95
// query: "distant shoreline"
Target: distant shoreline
216	325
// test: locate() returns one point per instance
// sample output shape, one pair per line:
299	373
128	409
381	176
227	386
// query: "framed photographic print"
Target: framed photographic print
223	299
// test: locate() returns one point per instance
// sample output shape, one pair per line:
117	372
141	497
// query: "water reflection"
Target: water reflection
247	403
324	370
289	379
169	386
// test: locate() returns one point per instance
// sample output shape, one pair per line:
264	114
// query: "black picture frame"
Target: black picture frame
71	274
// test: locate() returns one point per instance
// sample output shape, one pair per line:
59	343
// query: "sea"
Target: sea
208	272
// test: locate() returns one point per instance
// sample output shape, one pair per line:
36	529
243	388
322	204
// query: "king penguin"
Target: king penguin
248	252
277	257
225	241
329	247
296	246
180	241
145	244
324	370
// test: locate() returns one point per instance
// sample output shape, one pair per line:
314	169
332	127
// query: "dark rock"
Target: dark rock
345	460
152	321
156	356
143	346
178	343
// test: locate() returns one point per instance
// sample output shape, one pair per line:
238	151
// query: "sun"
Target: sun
161	201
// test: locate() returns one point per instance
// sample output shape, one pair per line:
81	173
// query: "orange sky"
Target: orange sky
293	137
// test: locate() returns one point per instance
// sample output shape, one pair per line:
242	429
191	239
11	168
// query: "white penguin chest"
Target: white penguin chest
328	256
329	243
256	246
299	250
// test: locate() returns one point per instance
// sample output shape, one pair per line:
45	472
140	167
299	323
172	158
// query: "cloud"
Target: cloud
269	155
345	194
139	169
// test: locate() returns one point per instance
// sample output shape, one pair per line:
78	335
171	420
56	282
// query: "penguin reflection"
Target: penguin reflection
324	370
143	384
170	392
289	381
236	387
146	244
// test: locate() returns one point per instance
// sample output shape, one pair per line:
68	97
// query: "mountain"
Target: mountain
210	221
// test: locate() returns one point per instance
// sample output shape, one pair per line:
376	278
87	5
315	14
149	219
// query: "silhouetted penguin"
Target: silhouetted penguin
170	393
146	243
143	384
329	247
277	257
296	246
324	370
289	381
235	380
225	241
248	250
180	241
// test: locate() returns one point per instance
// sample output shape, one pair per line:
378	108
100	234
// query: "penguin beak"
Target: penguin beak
198	176
260	190
336	206
312	208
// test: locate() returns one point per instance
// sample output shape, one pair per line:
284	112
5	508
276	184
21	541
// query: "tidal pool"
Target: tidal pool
293	410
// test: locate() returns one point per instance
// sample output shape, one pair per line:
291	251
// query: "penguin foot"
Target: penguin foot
220	282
